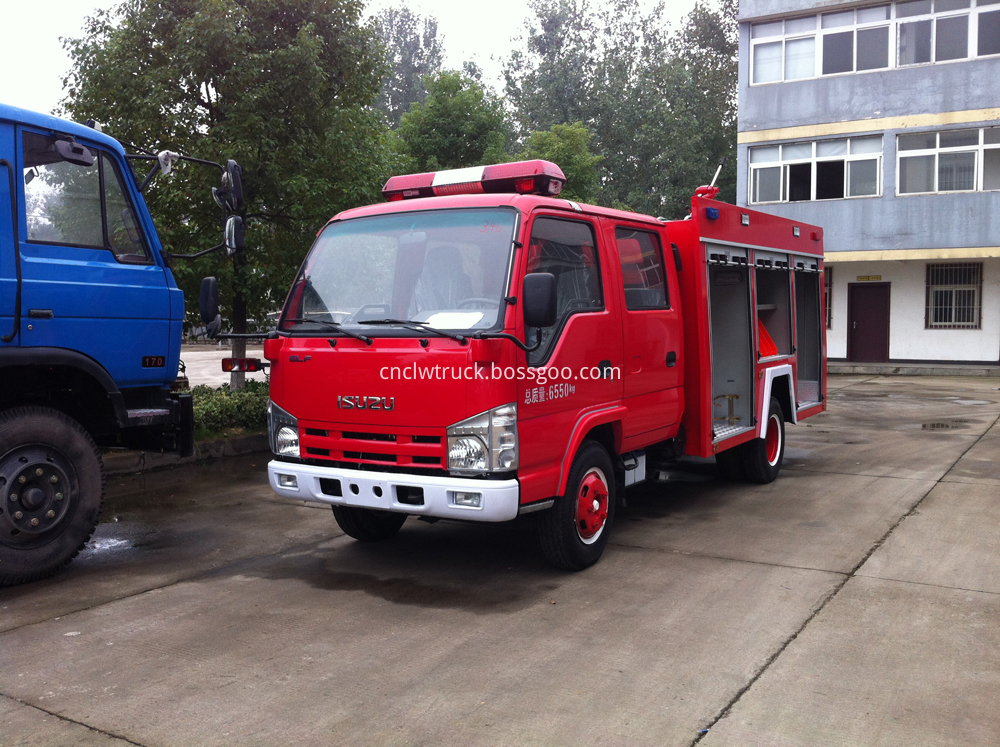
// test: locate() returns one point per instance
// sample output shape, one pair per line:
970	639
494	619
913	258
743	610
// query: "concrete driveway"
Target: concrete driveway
855	601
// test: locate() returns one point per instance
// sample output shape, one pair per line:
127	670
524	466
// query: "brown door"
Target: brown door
868	322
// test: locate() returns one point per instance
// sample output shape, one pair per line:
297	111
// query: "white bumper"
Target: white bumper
500	498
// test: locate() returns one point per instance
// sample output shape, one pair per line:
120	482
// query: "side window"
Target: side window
76	205
567	249
62	200
124	238
642	269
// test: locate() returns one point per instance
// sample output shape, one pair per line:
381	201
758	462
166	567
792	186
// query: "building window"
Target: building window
828	295
816	170
854	41
948	161
954	295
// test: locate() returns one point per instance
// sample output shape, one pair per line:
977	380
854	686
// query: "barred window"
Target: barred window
954	296
828	295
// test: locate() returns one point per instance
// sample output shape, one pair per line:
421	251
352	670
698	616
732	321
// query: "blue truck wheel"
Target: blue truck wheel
51	490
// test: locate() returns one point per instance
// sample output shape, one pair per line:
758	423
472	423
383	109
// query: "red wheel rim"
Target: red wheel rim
592	505
773	440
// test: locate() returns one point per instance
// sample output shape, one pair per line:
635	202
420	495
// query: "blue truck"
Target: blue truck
90	328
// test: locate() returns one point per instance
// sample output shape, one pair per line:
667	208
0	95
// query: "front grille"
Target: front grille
402	448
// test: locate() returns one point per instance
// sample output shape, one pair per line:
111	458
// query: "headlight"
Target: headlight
283	431
486	442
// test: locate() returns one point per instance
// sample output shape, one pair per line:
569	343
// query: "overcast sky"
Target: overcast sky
33	61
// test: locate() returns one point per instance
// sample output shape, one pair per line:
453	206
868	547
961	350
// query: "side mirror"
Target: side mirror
538	299
74	153
232	181
209	306
209	301
234	239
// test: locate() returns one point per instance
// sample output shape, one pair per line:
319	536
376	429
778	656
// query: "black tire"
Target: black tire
730	463
368	524
51	487
762	457
568	541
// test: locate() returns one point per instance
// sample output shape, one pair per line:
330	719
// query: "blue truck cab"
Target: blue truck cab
90	335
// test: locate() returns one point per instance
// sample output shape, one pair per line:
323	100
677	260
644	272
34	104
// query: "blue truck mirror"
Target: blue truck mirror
209	301
232	182
234	240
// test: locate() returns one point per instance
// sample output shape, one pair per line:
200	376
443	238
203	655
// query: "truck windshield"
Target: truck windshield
445	268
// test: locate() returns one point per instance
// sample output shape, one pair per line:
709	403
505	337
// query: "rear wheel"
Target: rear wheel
575	530
368	524
51	491
763	456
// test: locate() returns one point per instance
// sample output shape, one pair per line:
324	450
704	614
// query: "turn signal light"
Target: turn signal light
243	364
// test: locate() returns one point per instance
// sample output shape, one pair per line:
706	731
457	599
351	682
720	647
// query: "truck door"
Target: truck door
8	250
585	345
651	328
90	282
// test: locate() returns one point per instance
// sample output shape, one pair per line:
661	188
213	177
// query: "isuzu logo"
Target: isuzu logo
366	403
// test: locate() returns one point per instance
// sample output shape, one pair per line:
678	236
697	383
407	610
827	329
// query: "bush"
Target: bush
221	409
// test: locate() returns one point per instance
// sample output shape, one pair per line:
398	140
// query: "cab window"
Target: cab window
642	269
568	250
75	205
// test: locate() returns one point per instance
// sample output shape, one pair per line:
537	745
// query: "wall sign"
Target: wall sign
869	278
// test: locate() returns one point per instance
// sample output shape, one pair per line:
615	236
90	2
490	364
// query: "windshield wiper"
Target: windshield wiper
417	326
334	325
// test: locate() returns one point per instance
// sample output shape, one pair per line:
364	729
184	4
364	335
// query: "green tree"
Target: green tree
661	106
460	123
283	86
413	50
568	146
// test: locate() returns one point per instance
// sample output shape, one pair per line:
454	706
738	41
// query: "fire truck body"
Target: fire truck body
400	383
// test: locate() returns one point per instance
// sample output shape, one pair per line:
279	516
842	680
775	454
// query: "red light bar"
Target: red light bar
524	177
243	364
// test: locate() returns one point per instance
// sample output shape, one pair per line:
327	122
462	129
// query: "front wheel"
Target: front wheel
51	489
368	524
575	530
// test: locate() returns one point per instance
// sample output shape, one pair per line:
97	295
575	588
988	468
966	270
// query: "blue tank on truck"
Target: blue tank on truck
90	328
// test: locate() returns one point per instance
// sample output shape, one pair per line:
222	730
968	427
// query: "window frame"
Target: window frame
658	248
100	154
976	288
548	347
979	150
892	23
847	158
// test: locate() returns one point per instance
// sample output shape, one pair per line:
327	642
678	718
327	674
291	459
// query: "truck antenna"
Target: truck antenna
718	171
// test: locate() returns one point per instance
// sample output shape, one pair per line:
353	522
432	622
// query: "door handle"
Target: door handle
671	359
39	313
605	368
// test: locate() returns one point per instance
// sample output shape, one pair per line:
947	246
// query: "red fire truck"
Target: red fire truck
476	348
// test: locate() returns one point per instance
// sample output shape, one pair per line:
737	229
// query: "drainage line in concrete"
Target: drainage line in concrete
836	590
106	733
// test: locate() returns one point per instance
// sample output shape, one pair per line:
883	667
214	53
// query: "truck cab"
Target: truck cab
477	349
90	333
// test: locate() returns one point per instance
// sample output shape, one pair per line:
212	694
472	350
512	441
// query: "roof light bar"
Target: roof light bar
523	177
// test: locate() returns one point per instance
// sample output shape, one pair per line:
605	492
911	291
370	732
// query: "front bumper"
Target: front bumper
500	498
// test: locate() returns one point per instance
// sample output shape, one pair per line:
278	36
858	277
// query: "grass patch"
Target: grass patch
222	412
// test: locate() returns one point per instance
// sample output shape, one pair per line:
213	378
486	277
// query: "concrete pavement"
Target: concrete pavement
854	601
203	364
